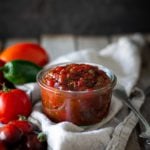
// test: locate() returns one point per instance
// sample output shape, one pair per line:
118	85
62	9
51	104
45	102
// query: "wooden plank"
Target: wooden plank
17	40
96	17
96	43
147	37
0	45
144	83
114	38
58	45
133	143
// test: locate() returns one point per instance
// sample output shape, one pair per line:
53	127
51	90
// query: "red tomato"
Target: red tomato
2	146
10	134
24	125
25	51
13	103
34	142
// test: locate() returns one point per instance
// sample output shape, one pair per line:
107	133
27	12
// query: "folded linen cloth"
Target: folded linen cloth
123	58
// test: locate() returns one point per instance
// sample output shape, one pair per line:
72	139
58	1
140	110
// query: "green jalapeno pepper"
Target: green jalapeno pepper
20	71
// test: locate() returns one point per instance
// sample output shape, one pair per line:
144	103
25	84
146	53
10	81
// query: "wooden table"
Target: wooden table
57	45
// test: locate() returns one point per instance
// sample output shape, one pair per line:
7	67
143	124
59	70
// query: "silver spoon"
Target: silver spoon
122	95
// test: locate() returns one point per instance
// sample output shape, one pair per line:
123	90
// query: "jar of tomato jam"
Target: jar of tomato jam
76	92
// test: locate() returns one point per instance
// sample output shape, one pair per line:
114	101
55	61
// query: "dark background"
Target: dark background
31	18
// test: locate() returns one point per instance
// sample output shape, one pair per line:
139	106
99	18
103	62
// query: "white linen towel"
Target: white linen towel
123	58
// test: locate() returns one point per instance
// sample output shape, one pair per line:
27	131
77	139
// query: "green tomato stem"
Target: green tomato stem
5	88
22	118
41	137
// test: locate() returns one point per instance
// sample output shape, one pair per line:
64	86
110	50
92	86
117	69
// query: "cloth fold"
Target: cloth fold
123	58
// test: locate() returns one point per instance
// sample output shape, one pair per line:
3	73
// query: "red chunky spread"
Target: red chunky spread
76	77
81	108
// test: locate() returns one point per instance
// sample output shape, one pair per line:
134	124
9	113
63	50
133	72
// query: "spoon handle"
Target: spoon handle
136	112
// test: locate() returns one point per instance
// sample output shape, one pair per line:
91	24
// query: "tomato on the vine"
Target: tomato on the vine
10	134
24	125
2	146
14	102
35	141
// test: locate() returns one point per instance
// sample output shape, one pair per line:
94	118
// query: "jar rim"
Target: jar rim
108	72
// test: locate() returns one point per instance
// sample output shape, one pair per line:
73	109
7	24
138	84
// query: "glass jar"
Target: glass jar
79	107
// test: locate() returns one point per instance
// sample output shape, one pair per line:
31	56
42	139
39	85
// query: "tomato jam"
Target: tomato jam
77	92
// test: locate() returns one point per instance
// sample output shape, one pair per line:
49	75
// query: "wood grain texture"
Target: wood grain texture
95	43
0	45
144	83
58	45
12	41
115	38
80	17
147	37
133	142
